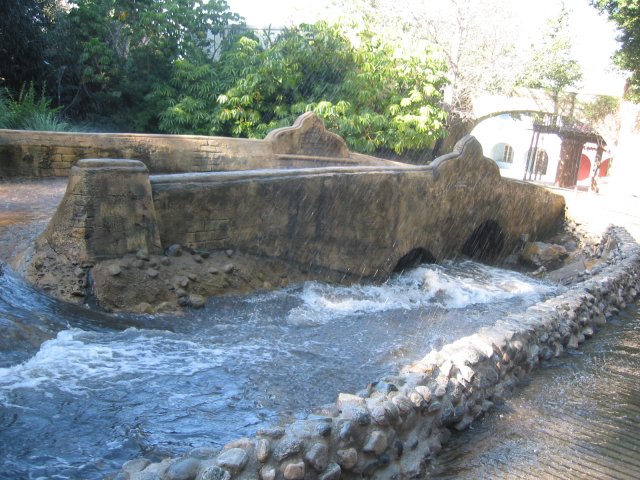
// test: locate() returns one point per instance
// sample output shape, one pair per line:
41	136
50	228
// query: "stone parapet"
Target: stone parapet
52	154
107	211
364	221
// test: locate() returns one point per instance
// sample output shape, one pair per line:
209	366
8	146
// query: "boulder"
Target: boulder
540	254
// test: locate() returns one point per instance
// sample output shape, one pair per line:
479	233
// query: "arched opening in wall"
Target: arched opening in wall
486	242
414	258
584	169
538	161
604	168
502	152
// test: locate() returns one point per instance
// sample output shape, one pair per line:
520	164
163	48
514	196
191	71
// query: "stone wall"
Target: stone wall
390	430
358	220
52	154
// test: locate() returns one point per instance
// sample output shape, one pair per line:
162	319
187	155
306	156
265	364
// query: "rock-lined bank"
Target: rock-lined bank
390	429
181	277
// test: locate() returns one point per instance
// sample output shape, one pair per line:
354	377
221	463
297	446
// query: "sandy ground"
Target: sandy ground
26	206
597	211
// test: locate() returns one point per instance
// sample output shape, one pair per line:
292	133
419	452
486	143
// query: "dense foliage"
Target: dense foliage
24	34
374	98
122	50
190	66
626	14
29	110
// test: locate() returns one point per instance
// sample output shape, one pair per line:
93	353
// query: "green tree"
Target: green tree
552	66
377	99
626	15
24	25
116	52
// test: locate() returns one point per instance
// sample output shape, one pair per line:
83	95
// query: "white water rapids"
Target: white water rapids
104	388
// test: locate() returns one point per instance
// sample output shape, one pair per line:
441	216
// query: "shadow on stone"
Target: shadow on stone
415	257
486	242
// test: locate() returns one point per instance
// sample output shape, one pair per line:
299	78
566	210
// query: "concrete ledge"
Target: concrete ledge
391	429
52	154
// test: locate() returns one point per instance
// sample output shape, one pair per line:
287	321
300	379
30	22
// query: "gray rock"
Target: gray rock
379	415
540	254
376	443
424	392
184	469
114	270
318	456
333	472
135	465
196	301
403	403
294	471
152	272
287	448
145	476
263	450
213	472
228	252
181	292
234	459
323	429
228	268
174	250
275	432
203	453
345	430
267	473
347	458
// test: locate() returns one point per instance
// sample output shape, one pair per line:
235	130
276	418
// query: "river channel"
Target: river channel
106	388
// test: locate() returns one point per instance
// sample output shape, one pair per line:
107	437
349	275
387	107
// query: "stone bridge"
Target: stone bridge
529	100
328	208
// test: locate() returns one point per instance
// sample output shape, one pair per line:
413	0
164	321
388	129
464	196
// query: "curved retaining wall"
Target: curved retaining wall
389	430
52	154
358	220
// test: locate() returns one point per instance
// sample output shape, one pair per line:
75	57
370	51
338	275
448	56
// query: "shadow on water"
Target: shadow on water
81	391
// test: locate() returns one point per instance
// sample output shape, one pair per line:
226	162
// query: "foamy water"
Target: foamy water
452	285
91	398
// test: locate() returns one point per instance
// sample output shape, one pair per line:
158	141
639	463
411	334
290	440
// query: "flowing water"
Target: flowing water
81	392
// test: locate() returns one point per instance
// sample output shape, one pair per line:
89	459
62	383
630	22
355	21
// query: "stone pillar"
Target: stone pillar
570	152
107	211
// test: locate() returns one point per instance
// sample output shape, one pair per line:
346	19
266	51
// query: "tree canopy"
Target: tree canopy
552	66
374	98
193	67
626	15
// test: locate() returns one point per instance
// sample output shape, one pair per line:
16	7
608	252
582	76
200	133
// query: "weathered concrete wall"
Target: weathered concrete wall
52	154
106	212
391	429
357	220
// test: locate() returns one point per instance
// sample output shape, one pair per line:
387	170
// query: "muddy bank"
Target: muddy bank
179	278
